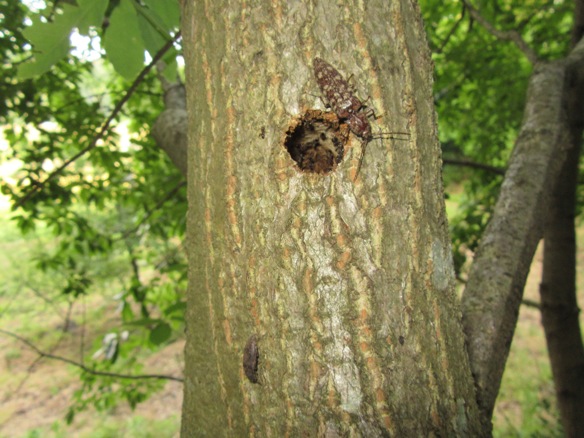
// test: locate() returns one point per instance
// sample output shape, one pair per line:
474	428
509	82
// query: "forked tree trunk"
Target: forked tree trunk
337	289
497	278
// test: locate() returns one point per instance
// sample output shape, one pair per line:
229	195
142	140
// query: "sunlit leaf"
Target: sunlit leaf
50	40
123	41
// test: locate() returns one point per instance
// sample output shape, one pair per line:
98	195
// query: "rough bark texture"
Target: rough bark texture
338	293
493	294
559	306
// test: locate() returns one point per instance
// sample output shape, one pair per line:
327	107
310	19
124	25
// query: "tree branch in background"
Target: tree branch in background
150	212
32	366
558	288
474	165
452	30
85	368
497	277
530	303
509	35
38	186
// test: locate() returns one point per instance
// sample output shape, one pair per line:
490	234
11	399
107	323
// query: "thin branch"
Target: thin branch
86	369
475	165
104	128
82	335
46	299
530	303
509	35
452	30
461	280
150	212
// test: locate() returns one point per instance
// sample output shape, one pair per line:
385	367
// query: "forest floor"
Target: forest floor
526	405
37	392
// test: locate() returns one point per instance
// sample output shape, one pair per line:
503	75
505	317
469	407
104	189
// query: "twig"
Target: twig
46	299
531	303
82	334
86	369
39	185
39	358
452	30
475	165
150	212
509	35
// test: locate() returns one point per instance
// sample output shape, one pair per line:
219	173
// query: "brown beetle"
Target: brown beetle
348	107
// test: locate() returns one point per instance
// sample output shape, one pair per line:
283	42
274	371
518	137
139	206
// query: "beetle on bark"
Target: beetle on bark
339	95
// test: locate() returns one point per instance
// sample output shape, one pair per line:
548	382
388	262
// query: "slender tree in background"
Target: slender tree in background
559	304
551	130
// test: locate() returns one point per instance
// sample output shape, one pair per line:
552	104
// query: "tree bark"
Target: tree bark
493	293
334	292
559	306
170	128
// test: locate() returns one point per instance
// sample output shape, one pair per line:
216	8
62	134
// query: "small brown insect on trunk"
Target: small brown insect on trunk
251	356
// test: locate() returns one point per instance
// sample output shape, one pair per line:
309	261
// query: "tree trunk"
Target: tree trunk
318	304
559	306
493	293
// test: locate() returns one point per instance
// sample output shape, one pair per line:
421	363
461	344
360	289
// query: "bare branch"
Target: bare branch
38	186
42	353
452	30
474	165
150	212
32	366
509	35
530	303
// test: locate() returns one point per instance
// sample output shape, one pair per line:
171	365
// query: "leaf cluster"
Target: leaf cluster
480	88
121	200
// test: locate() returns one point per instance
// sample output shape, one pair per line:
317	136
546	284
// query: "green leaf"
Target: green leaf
168	11
153	29
155	33
161	333
179	307
51	40
127	313
143	322
123	41
89	14
70	416
49	51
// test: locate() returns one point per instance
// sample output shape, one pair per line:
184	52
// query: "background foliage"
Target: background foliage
122	199
480	89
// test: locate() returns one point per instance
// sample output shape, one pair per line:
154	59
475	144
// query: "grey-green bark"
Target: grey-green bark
559	306
493	293
347	284
170	129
